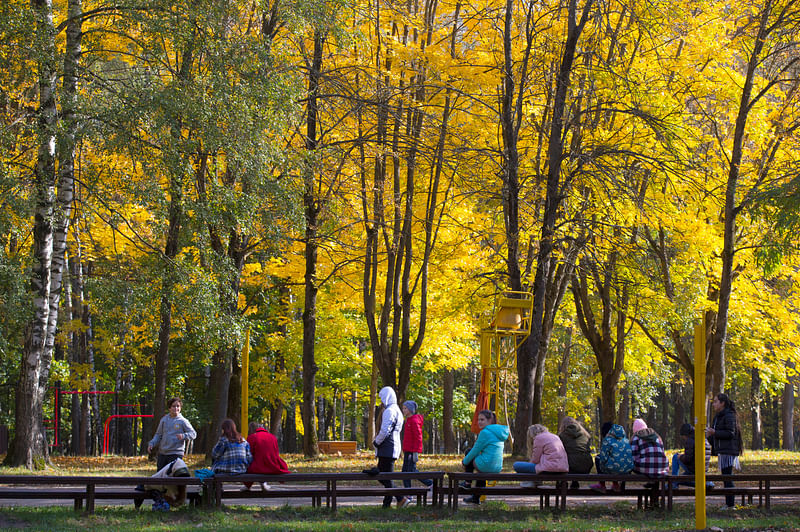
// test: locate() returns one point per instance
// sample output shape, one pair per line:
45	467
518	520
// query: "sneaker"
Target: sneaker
264	486
599	488
244	488
617	487
140	487
472	500
464	485
527	484
402	503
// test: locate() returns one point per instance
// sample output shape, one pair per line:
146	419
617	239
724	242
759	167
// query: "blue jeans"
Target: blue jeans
678	468
410	466
524	467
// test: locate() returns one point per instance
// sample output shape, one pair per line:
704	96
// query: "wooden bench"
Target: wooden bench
327	486
85	488
747	486
337	447
556	486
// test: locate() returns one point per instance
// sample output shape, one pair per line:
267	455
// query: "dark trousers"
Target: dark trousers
386	465
470	468
730	500
410	466
164	459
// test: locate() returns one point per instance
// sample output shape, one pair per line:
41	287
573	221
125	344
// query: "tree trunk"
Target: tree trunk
373	391
623	414
731	209
29	447
563	374
447	412
75	352
393	339
84	445
535	347
787	410
354	416
755	410
290	430
171	248
97	441
219	388
311	207
275	418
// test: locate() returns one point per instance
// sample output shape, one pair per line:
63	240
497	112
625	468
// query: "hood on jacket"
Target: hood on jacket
572	431
387	396
617	432
499	432
647	434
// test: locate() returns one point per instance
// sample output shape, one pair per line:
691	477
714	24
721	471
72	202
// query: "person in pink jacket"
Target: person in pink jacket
547	453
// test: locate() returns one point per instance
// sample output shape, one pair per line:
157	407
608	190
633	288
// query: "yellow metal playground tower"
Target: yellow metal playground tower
510	327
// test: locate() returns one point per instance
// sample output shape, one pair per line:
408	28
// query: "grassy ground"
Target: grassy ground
496	515
493	516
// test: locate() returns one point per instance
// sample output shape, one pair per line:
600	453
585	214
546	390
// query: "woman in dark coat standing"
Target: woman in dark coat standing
726	439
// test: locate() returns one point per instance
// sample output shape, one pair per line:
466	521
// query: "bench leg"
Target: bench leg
90	499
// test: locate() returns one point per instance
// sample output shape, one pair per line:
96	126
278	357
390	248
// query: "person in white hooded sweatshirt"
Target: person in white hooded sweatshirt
387	442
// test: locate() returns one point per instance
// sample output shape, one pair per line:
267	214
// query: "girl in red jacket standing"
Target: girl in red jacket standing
412	445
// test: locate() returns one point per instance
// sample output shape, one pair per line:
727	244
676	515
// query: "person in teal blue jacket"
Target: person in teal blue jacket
486	456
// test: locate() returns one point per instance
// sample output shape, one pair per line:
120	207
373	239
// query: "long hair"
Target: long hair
533	431
566	421
727	401
488	414
230	432
730	405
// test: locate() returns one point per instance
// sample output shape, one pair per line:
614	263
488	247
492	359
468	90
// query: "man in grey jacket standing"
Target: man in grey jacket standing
173	432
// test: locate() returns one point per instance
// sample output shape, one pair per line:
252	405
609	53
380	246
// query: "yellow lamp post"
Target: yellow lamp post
700	425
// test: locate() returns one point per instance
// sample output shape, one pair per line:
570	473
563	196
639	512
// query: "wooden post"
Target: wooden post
700	425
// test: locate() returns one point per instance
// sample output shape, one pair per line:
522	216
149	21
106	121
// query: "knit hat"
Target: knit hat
638	424
686	430
411	405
